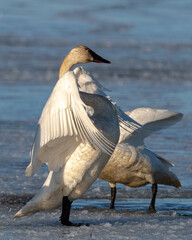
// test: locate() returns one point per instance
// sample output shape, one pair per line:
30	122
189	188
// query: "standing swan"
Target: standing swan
132	164
77	132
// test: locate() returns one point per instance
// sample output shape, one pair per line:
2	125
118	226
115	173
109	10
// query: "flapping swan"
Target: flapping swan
77	133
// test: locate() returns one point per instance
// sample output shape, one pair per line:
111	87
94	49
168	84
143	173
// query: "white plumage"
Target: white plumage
131	163
64	123
77	132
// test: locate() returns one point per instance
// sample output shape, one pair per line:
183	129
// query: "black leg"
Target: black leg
154	193
113	195
66	207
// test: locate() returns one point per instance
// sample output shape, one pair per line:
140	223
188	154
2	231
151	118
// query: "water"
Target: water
149	45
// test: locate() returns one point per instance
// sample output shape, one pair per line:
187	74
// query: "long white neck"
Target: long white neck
65	66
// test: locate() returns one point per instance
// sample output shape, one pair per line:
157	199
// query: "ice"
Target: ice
129	220
106	224
169	222
149	45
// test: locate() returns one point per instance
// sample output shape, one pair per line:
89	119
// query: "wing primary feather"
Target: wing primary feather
69	122
70	131
83	129
132	125
51	128
53	125
61	123
81	133
84	132
107	144
95	137
65	123
72	122
105	140
58	125
48	128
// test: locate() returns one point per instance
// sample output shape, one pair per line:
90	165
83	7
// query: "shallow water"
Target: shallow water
149	45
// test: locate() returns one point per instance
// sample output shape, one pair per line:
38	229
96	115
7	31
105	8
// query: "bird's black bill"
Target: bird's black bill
97	58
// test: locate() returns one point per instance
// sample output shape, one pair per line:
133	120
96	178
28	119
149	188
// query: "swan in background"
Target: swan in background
133	164
76	135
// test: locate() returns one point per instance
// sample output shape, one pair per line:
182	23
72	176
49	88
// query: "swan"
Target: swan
76	135
50	196
138	166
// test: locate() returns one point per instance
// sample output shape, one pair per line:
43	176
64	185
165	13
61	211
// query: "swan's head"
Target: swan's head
80	54
83	54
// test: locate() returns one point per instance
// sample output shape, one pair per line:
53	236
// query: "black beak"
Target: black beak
97	58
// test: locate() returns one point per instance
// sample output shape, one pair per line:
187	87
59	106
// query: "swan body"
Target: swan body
137	167
131	164
77	132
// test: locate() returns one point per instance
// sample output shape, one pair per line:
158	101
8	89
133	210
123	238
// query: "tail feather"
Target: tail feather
169	179
47	198
41	202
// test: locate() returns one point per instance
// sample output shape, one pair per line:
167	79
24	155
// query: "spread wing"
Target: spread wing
154	119
87	83
63	125
135	125
150	120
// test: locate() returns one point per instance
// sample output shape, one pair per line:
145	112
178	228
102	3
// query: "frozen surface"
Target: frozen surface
104	224
149	45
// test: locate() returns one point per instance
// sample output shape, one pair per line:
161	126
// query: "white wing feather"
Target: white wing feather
87	83
150	120
63	125
135	125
